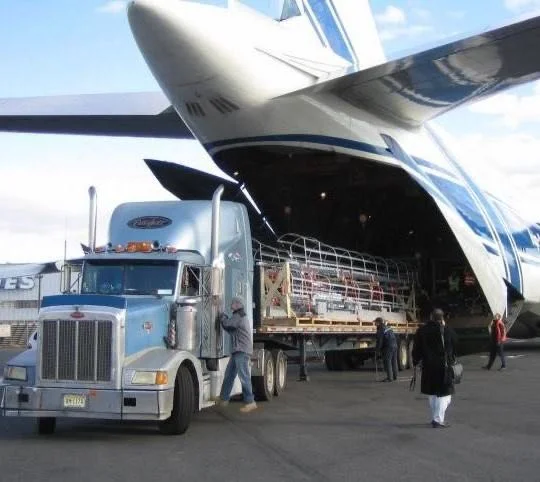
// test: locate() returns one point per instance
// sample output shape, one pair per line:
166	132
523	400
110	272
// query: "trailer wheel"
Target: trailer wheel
403	354
280	371
335	361
410	347
354	361
329	361
183	404
46	425
263	386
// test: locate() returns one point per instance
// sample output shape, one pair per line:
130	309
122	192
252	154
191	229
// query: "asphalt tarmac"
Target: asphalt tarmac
340	426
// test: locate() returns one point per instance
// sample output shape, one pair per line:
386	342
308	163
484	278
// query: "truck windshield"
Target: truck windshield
129	278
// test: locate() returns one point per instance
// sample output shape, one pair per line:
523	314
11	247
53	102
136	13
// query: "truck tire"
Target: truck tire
335	361
410	347
402	354
329	361
183	404
280	371
353	360
263	386
46	425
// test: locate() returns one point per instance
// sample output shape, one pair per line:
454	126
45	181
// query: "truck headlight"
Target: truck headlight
15	373
149	378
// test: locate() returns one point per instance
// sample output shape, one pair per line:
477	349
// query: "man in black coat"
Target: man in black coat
434	348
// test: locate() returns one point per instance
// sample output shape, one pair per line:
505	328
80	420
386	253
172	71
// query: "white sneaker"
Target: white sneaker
248	407
219	401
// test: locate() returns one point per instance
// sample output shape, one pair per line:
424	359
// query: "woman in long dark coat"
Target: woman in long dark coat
428	350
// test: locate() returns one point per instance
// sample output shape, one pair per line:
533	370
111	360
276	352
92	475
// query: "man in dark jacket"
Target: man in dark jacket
387	345
241	332
434	348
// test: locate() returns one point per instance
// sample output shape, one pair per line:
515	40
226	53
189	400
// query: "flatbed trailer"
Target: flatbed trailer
313	297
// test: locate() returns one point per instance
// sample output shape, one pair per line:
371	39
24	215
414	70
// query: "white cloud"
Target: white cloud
505	165
519	5
523	9
391	16
44	188
393	24
511	110
422	13
113	6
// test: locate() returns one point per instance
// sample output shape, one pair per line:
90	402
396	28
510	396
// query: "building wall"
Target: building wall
20	299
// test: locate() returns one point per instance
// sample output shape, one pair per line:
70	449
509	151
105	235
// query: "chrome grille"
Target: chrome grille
77	350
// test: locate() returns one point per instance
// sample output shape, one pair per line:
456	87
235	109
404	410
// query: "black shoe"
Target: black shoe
486	368
386	380
435	424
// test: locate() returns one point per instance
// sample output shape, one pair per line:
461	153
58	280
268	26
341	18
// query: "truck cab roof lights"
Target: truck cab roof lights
139	247
170	249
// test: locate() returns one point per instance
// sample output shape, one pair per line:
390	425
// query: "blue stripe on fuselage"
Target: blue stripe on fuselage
313	24
415	164
330	28
344	30
509	251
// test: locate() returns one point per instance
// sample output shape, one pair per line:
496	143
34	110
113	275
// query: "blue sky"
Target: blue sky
72	47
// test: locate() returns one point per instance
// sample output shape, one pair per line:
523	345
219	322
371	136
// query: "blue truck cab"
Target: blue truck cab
140	340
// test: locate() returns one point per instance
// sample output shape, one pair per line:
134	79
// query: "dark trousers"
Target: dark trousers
390	362
494	350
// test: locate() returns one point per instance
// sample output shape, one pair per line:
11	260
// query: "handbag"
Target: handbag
453	369
457	371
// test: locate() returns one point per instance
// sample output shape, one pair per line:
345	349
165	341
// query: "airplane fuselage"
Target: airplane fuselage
229	74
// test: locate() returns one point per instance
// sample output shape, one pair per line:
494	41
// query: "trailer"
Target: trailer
319	298
139	340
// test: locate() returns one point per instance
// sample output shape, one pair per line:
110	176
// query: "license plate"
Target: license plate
74	401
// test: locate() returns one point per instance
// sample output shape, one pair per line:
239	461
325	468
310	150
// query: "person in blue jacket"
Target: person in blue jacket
387	347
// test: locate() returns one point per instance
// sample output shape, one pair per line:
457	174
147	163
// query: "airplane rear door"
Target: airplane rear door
491	282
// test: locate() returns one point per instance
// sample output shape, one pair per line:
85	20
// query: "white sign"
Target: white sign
5	331
22	283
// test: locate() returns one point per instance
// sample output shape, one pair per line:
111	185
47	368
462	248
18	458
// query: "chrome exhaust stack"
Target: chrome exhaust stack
216	205
212	342
92	221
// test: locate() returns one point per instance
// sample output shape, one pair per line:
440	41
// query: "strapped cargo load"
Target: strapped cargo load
310	284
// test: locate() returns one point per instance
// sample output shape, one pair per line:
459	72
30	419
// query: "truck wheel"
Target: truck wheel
335	361
402	354
329	361
353	361
280	371
183	404
263	386
46	425
410	347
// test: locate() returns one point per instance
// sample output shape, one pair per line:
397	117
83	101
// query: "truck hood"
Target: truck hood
146	318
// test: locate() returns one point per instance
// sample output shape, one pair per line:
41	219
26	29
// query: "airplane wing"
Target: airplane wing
415	89
188	183
137	114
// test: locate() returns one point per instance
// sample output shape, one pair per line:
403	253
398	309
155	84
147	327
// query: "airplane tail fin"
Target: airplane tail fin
348	28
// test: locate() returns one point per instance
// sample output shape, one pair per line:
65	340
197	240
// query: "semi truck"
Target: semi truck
139	340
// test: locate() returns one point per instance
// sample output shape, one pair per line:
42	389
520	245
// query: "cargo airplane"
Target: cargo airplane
331	139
